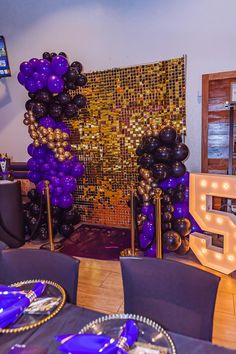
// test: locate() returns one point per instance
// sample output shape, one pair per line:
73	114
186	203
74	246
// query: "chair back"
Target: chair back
25	264
179	297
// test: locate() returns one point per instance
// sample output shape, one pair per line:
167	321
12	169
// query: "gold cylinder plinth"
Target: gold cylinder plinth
51	245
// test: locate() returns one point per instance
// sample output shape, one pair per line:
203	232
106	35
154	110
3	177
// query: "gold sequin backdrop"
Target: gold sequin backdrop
121	104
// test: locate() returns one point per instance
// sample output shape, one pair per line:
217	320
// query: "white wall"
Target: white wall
104	34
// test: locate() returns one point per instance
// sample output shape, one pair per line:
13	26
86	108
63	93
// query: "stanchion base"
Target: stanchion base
57	246
128	252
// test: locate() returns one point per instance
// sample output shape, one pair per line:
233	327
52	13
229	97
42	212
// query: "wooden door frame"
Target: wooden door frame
206	78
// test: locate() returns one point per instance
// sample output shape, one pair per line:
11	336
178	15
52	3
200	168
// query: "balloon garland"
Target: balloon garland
161	156
48	81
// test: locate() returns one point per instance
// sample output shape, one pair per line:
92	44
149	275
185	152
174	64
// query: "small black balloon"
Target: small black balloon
139	151
63	54
32	223
69	217
55	110
171	240
47	56
180	152
56	211
42	233
52	55
167	135
81	80
43	96
166	216
34	209
72	74
184	247
171	191
165	226
160	171
31	95
179	197
66	230
29	105
163	154
70	85
182	226
80	101
178	138
181	187
166	199
168	207
178	169
77	65
33	194
150	144
39	110
64	98
71	110
146	161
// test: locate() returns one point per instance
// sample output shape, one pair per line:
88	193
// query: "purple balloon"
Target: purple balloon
40	187
47	122
57	191
184	179
26	68
59	65
34	62
55	181
65	201
68	184
39	85
30	85
30	149
146	210
46	167
39	152
64	128
55	84
33	164
68	147
64	166
54	200
52	173
181	210
148	228
167	183
44	67
144	240
21	78
34	176
77	170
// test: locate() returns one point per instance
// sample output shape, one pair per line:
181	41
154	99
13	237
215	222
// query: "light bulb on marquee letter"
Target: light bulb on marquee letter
202	189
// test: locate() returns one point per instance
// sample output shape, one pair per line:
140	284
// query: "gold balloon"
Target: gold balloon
146	197
50	130
44	140
50	137
58	137
44	131
67	154
51	145
150	180
55	150
26	121
155	132
27	115
146	203
65	136
60	150
31	127
57	131
58	144
61	158
57	155
152	193
31	119
149	133
33	135
148	188
36	143
146	175
142	184
140	190
65	143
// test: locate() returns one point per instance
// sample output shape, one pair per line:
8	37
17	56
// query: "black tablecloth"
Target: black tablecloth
71	319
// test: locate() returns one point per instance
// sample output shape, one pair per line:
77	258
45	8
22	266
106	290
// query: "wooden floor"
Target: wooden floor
100	288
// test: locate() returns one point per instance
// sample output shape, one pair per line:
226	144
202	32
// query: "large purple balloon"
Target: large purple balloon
65	201
169	182
39	152
26	68
55	84
47	122
34	62
34	176
77	170
54	200
147	210
68	184
44	67
63	127
148	228
181	210
21	78
33	164
59	65
30	149
64	167
30	85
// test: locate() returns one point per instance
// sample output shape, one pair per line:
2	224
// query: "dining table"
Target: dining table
70	320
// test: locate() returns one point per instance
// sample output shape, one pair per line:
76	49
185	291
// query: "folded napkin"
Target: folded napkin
96	343
13	301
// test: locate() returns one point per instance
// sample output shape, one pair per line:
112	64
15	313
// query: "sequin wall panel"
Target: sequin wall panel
121	104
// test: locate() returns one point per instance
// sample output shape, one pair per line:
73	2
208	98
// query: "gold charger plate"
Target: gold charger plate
28	321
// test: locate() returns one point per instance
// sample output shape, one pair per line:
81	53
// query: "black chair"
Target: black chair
26	264
179	297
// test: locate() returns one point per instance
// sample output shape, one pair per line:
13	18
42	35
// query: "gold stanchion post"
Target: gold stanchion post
57	246
159	253
131	251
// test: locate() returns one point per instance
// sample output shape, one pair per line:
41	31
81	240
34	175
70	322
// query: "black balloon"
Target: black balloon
166	216
180	152
55	225
178	138
39	110
80	101
171	240
70	110
77	65
33	194
55	110
64	98
31	95
182	226
178	169
171	191
146	161
165	226
160	171
29	105
139	151
150	143
32	223
47	56
56	211
181	187
72	74
167	135
163	153
63	54
52	55
166	199
34	209
81	80
70	85
43	96
168	207
42	233
66	230
179	197
184	247
69	217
